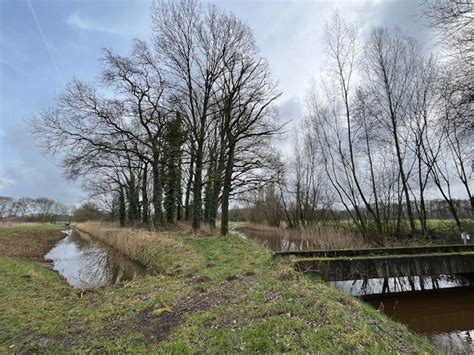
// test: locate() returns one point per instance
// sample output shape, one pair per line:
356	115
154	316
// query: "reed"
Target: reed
155	250
312	237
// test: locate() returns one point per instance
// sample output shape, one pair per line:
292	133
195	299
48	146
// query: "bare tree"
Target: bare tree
5	205
391	62
190	41
222	86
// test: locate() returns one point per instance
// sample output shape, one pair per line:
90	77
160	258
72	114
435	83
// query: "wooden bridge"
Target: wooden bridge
338	265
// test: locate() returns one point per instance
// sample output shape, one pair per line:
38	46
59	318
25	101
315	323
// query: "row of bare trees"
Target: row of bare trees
389	126
175	129
40	209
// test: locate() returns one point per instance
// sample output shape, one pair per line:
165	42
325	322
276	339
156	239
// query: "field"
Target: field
29	241
204	294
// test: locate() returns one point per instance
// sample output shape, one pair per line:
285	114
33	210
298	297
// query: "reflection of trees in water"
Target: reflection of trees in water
401	284
287	242
95	267
101	265
458	342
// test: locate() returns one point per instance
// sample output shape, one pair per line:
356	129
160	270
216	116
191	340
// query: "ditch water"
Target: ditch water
445	315
442	308
88	263
276	244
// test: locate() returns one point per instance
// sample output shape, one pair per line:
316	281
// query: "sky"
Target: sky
46	43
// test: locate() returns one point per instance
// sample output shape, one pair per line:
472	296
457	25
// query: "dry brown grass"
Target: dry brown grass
9	224
126	240
30	241
314	237
185	228
152	249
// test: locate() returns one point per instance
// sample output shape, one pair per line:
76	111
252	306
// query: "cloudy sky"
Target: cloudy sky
45	43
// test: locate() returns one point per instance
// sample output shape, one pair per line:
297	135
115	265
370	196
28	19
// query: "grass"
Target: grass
29	241
448	226
221	295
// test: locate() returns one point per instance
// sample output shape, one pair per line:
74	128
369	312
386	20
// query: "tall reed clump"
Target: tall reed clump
312	237
158	251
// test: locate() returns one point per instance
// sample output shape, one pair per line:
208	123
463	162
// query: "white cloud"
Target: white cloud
4	182
86	24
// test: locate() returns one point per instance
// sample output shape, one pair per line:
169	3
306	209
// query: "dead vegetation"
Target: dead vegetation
152	249
29	241
314	237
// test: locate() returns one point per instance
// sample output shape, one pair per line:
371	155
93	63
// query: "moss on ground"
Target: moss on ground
229	296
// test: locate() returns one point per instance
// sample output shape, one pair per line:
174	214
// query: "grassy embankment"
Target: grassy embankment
206	294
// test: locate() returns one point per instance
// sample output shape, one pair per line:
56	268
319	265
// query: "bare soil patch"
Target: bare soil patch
160	326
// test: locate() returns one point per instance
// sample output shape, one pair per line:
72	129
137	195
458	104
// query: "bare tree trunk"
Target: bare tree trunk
217	183
122	208
157	190
187	212
209	193
197	188
179	193
227	185
145	207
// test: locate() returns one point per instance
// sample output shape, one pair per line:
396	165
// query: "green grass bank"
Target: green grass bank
204	294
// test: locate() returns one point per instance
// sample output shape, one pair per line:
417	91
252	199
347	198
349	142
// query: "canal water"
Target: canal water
445	315
88	263
442	308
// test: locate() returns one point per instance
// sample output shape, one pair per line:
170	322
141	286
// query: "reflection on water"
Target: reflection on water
276	243
400	284
87	263
440	307
446	316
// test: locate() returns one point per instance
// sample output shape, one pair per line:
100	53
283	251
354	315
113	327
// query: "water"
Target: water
392	285
284	243
87	263
439	307
442	307
446	316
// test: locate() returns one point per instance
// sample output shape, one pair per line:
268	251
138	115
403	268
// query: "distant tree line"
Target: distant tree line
32	209
175	129
266	207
